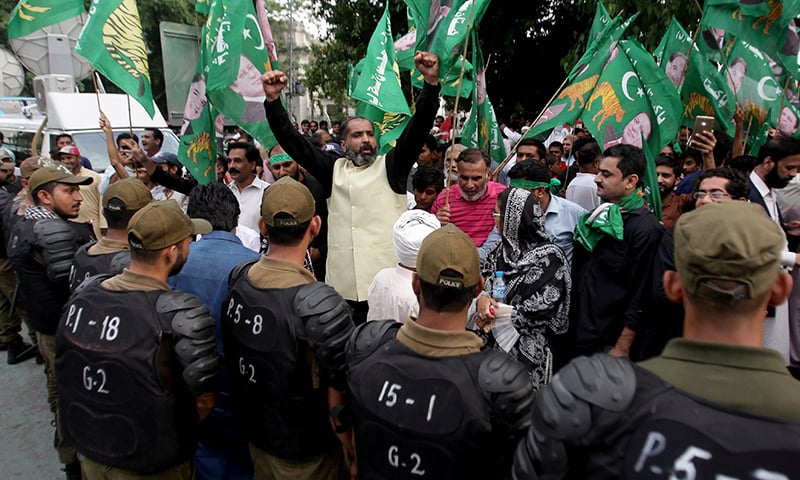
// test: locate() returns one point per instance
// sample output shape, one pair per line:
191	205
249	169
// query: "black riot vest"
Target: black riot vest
666	433
417	417
270	371
85	265
120	400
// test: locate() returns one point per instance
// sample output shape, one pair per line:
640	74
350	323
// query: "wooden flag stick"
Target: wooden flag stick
510	155
458	96
96	90
130	117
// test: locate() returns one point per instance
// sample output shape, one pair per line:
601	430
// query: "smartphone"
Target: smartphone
701	124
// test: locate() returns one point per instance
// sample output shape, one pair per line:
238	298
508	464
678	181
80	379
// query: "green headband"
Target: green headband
553	185
280	158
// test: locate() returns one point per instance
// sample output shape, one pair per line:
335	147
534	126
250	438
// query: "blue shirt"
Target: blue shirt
560	220
687	184
205	273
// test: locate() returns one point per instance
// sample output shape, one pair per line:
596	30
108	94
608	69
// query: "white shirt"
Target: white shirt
249	202
106	180
787	258
249	237
391	297
583	191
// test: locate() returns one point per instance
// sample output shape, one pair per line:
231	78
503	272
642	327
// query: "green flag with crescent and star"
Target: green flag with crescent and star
237	40
112	41
378	87
633	98
753	83
31	15
601	19
769	26
567	106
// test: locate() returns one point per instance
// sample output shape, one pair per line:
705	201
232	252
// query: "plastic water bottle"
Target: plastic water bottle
499	287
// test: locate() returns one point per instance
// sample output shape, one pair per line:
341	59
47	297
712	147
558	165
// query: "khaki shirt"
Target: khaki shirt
105	246
747	379
437	343
129	281
272	273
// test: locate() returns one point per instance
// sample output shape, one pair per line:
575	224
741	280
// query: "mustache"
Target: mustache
233	170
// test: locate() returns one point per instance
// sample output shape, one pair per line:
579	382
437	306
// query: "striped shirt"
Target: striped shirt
474	218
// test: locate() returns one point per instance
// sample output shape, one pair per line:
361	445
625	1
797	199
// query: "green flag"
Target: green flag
633	99
201	6
753	83
789	121
652	194
673	51
567	106
378	87
481	129
245	56
112	41
757	140
601	19
767	25
31	15
197	147
705	92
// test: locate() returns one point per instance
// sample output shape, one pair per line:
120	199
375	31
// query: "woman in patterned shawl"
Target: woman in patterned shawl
538	284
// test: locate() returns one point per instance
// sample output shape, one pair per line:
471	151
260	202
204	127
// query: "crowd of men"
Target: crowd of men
327	318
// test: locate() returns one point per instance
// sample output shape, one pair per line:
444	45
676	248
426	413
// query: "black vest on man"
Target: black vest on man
270	366
44	286
648	431
85	265
122	401
422	417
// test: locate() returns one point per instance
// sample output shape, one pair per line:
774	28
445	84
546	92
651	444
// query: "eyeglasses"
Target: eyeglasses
714	194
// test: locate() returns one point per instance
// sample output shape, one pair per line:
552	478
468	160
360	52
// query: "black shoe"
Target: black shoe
39	358
4	346
19	351
73	471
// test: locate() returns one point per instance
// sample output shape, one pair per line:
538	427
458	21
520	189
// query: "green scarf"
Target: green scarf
606	220
554	184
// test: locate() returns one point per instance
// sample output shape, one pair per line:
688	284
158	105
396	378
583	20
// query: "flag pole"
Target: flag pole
130	117
96	90
688	57
783	96
511	153
458	96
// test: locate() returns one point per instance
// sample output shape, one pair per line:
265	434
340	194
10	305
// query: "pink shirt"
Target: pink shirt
474	218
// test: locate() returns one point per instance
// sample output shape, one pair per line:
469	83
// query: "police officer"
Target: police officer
284	335
715	404
41	247
111	253
137	362
10	320
425	401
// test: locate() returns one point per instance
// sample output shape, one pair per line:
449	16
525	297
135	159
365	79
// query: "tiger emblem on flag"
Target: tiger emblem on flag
122	37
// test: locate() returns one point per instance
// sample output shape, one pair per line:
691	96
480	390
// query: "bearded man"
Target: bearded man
366	191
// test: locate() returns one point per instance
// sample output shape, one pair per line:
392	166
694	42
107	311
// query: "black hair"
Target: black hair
671	162
118	219
431	143
588	151
47	187
474	155
557	144
345	127
216	203
425	176
156	134
550	159
631	160
287	236
250	151
62	135
693	153
737	186
304	121
126	136
723	148
779	148
316	137
445	299
743	163
536	143
531	171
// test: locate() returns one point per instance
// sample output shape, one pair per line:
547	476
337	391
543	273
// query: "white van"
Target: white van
77	114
